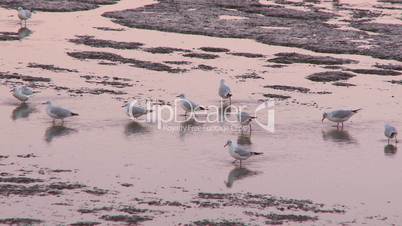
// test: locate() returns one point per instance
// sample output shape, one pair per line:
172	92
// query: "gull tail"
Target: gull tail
74	114
357	110
257	153
202	108
229	95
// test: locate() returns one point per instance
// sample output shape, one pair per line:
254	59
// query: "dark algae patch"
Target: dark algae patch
214	49
376	72
85	223
93	55
399	82
276	96
396	67
56	5
8	36
164	50
330	76
205	56
346	84
101	43
50	67
27	78
130	219
206	222
288	88
248	55
277	219
20	221
290	58
251	75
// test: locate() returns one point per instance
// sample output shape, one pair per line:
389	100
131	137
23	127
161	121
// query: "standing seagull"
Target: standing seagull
339	116
188	105
245	119
22	93
135	111
224	91
390	132
58	112
238	152
24	15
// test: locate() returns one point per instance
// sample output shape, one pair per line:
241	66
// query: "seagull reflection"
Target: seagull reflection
390	149
338	136
187	126
23	32
224	111
134	128
57	131
22	111
244	139
239	173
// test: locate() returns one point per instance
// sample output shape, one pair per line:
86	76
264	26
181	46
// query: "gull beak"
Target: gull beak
44	103
225	145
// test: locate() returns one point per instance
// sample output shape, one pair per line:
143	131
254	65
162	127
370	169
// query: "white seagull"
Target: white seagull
24	15
58	112
135	111
339	116
238	152
188	105
224	91
245	119
390	132
22	93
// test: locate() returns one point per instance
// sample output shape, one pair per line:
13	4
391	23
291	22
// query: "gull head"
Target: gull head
180	96
20	8
324	116
222	81
229	142
47	102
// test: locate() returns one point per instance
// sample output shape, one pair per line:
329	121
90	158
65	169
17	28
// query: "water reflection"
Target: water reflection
57	131
338	136
224	112
22	111
23	32
390	149
238	173
134	127
188	126
244	139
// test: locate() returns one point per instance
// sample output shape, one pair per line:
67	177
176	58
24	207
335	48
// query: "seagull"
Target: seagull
22	93
188	105
245	119
238	152
24	15
135	111
58	112
339	116
390	132
224	91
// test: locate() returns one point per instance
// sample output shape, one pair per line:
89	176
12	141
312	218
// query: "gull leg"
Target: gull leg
388	140
396	140
342	125
230	101
240	163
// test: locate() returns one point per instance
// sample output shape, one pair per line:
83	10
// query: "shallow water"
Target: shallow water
302	159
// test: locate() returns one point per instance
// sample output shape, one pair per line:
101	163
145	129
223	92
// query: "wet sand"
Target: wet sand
102	167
